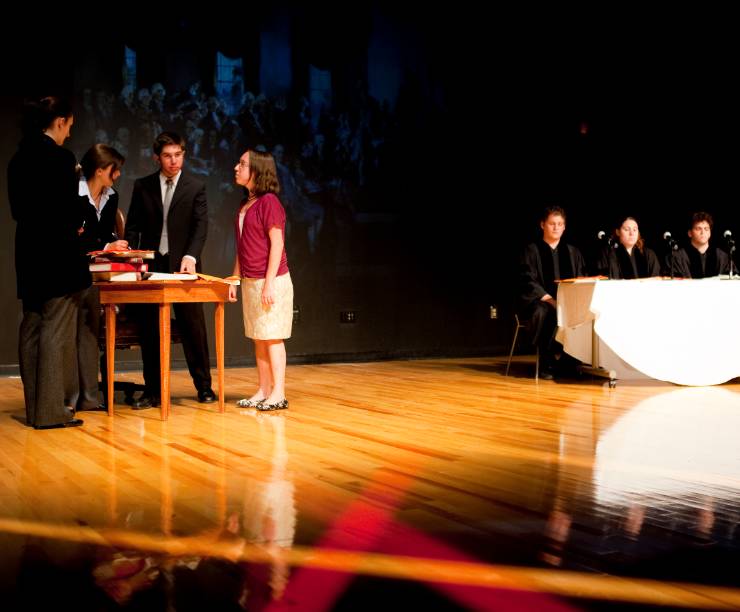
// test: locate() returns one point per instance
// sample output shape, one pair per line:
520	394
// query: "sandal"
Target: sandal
247	403
281	405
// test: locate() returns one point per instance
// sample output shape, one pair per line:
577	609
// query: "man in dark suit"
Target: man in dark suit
179	199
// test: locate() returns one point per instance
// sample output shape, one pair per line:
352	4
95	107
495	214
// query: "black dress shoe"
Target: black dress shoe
206	396
146	401
99	407
72	423
568	367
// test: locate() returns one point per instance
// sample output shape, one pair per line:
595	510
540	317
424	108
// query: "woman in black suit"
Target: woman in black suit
100	168
51	274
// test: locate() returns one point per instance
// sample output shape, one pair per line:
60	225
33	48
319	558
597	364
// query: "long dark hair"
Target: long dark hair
40	114
100	156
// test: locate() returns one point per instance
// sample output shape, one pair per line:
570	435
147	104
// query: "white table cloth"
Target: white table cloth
681	331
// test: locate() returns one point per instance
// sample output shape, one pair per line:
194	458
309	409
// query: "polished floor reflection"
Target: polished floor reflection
439	482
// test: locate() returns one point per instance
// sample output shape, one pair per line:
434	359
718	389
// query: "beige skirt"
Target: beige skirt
267	322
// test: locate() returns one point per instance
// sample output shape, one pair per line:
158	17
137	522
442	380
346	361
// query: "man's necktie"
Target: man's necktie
164	246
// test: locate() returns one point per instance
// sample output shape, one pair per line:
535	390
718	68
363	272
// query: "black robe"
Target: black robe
536	273
687	263
537	276
617	263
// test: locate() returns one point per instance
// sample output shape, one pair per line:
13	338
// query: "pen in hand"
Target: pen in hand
116	244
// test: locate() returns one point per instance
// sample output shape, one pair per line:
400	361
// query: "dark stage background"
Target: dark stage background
417	149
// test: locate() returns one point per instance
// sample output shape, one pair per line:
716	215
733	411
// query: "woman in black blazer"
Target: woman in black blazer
100	168
51	274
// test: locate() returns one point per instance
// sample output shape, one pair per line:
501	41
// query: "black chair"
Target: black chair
522	324
128	336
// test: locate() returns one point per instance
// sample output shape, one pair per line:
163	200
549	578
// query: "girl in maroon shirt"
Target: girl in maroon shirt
266	287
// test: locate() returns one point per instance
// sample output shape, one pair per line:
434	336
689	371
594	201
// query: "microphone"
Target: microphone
730	240
602	235
672	244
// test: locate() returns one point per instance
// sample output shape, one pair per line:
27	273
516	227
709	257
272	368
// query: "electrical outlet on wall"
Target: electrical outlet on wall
347	316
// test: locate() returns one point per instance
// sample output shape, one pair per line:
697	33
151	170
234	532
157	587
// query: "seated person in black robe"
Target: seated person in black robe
699	259
629	258
543	263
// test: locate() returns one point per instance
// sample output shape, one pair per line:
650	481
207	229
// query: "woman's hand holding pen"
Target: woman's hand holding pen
115	244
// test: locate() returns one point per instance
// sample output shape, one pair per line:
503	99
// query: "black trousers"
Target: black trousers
88	351
47	355
543	321
192	325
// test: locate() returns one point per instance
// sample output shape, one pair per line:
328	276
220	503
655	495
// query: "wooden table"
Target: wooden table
162	293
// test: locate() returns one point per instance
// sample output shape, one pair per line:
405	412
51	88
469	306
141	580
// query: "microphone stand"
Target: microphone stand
605	254
732	261
672	248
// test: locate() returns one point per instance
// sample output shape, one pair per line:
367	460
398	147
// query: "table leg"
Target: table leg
220	353
164	360
595	368
110	349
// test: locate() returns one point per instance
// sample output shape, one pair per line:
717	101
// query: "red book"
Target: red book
118	267
127	260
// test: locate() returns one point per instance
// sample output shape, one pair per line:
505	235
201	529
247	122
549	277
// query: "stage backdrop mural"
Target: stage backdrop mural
414	156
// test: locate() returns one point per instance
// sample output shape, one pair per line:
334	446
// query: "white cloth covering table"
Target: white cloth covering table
682	331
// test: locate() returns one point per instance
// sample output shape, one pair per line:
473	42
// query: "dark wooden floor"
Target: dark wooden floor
440	480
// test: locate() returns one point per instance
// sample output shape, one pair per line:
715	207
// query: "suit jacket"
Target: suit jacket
187	221
43	194
98	232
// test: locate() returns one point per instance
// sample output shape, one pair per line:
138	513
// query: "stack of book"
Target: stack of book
119	265
128	266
